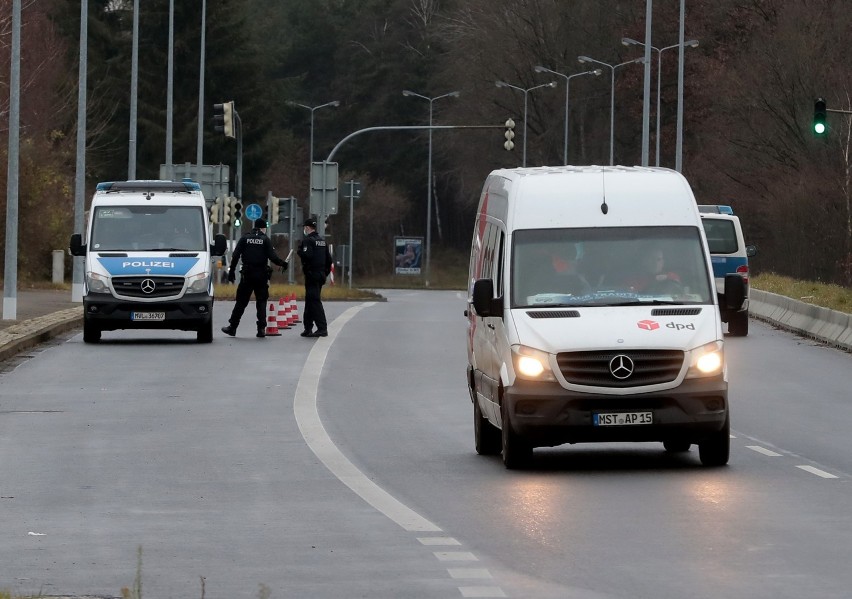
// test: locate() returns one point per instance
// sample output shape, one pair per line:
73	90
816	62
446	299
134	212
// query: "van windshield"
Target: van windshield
609	267
148	228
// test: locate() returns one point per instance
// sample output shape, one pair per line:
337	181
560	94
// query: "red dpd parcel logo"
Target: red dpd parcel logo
648	325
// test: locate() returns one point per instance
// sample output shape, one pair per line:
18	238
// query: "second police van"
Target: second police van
592	314
148	251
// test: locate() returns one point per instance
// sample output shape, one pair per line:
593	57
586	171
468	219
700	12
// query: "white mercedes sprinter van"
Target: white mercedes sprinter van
148	257
592	314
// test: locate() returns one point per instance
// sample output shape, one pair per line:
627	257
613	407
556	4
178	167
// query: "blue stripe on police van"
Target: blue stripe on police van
147	266
723	265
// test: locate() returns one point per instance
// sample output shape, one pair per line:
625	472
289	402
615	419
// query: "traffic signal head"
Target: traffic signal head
238	213
509	135
223	118
226	210
820	127
273	211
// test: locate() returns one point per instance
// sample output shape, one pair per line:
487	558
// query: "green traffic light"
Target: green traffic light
819	128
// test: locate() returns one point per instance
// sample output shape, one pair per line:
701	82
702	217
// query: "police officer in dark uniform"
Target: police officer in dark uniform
256	251
316	265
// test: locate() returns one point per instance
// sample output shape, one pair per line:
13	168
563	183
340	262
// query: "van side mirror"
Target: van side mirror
484	301
734	291
751	251
219	245
77	248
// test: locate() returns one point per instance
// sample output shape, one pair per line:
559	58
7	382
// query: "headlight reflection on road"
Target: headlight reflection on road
533	509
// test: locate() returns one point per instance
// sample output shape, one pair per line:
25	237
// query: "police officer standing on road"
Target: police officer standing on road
256	250
316	265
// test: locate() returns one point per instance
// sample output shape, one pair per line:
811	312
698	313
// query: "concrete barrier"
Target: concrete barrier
829	326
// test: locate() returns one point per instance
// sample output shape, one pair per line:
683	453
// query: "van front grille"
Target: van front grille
148	287
620	369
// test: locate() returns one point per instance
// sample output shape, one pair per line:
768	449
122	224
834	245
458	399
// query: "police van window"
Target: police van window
498	285
721	235
148	228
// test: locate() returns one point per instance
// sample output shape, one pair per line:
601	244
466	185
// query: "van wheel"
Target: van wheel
516	451
486	435
676	446
738	324
91	332
205	333
716	450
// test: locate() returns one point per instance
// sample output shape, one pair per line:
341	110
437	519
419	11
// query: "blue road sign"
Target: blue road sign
254	211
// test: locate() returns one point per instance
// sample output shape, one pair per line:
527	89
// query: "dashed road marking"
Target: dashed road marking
469	573
817	471
455	556
438	541
763	450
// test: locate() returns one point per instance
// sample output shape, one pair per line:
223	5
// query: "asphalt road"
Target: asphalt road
344	467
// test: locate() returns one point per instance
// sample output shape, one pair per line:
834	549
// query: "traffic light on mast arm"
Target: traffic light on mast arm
223	119
820	126
509	135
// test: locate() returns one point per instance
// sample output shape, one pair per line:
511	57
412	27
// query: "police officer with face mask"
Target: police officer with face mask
316	265
256	250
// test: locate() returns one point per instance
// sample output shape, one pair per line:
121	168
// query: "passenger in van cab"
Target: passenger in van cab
652	275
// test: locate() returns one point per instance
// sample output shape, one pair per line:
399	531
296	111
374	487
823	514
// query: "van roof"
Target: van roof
149	185
545	197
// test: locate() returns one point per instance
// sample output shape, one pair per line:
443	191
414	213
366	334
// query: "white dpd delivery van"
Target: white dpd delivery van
593	314
148	259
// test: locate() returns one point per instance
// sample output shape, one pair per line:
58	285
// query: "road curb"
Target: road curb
828	326
30	333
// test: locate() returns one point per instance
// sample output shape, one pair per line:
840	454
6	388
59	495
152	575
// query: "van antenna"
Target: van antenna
604	207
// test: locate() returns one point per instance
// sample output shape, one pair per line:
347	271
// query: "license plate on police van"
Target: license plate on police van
623	418
148	316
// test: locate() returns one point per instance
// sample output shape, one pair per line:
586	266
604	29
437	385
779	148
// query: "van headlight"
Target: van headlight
198	283
532	364
97	283
707	360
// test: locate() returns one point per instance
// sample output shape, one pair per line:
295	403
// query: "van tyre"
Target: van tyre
738	324
91	332
516	451
716	450
205	333
486	435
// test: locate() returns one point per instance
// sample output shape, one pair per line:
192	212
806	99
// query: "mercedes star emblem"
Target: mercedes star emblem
621	367
148	287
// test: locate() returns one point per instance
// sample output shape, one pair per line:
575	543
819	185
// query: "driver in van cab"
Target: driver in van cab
652	273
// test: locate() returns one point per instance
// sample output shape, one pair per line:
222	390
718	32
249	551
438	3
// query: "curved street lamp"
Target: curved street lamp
313	109
525	91
631	42
595	72
611	67
408	94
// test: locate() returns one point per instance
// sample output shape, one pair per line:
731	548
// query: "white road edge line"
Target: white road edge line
315	435
817	471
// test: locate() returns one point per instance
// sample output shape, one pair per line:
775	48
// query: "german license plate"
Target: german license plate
148	316
623	418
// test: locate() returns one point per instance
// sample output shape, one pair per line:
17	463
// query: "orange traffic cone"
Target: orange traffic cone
272	322
294	310
283	314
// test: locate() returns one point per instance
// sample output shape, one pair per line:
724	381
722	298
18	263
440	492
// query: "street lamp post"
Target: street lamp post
313	109
631	42
584	59
407	94
525	91
595	72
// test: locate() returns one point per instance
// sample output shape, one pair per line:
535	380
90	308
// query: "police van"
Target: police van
592	315
729	254
148	251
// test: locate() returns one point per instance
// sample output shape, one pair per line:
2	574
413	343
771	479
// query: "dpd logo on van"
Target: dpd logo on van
680	327
648	325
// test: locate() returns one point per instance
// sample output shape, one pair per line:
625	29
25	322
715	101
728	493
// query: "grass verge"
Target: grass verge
833	297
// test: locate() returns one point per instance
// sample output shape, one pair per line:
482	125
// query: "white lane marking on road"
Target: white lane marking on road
455	556
315	435
472	573
482	592
438	541
817	471
763	450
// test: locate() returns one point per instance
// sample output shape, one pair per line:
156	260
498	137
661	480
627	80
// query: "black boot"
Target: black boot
261	332
230	330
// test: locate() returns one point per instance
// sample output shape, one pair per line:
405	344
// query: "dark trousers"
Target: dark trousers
314	312
251	283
